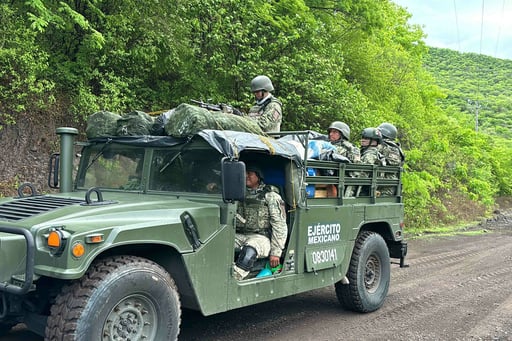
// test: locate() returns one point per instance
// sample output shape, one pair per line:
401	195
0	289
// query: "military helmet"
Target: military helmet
388	130
372	134
343	128
255	169
261	83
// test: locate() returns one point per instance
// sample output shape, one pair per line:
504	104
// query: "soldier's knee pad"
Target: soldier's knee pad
246	258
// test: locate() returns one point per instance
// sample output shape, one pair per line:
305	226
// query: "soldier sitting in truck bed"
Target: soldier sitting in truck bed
261	224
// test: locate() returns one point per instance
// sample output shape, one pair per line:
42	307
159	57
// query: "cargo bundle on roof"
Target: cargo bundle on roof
189	119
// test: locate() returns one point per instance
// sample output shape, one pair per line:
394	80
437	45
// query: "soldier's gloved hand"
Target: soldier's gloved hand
274	261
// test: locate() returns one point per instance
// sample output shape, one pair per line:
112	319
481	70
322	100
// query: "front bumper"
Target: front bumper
25	285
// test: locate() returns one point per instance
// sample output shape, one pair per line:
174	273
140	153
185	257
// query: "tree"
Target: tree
23	67
358	61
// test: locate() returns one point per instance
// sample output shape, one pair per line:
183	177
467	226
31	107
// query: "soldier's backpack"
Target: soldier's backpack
134	123
102	123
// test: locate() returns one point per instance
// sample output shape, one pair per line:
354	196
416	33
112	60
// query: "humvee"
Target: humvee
145	226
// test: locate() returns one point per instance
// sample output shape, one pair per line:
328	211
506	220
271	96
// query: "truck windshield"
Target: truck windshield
112	166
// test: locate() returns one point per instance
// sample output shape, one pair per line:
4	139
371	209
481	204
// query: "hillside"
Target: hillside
470	82
359	62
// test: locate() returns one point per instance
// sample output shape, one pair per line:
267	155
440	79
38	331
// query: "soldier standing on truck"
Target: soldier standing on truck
261	229
267	111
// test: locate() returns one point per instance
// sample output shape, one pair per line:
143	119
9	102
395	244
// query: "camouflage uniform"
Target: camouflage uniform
394	156
351	152
347	149
392	153
371	155
261	224
268	114
344	148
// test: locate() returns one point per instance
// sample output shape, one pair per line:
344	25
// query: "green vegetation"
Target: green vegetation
354	60
470	82
445	231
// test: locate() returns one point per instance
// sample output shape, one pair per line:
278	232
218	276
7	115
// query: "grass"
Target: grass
471	229
469	226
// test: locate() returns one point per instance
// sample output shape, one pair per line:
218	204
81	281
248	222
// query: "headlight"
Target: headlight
56	241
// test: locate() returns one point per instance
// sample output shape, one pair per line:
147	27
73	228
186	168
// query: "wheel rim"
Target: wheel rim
132	318
372	274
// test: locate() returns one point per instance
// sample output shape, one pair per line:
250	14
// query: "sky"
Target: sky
459	24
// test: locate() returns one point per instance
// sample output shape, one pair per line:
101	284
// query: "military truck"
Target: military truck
145	226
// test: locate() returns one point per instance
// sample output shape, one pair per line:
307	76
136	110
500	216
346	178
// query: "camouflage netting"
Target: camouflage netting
185	120
134	123
189	119
102	123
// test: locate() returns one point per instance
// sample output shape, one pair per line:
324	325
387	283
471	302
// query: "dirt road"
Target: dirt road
456	288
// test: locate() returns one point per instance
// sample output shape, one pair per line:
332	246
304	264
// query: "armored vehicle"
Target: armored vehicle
145	226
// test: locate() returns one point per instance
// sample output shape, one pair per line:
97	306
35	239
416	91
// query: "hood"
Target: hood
26	207
118	207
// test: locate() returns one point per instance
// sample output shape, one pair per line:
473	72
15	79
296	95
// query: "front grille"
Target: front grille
30	206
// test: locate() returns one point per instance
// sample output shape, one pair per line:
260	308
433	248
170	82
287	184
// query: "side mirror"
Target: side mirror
233	180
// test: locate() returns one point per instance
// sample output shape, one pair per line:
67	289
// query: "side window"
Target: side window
195	171
205	171
167	172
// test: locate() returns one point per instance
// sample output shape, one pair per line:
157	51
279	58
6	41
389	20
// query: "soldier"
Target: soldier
392	153
389	148
339	135
261	229
370	154
267	112
371	138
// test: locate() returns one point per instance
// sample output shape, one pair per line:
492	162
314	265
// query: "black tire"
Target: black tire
368	275
119	298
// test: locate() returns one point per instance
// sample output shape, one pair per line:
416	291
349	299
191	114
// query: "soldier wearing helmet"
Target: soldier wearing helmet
339	135
261	229
371	138
389	147
392	153
267	111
